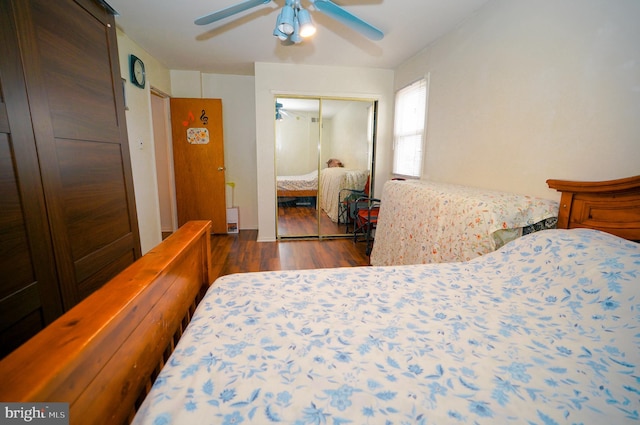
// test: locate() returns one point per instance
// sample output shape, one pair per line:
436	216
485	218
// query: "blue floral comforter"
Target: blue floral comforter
545	330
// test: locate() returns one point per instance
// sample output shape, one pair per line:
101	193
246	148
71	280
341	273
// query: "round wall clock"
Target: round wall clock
136	67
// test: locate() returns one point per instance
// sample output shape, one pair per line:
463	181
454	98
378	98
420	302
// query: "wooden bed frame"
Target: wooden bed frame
103	355
612	206
297	193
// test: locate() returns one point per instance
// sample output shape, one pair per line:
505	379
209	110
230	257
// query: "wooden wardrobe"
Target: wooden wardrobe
67	209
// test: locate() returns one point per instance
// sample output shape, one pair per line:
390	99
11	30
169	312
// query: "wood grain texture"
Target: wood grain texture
297	193
90	193
76	107
199	168
307	221
29	291
99	355
612	206
242	253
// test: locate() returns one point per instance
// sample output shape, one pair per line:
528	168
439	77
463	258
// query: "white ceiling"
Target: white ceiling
165	29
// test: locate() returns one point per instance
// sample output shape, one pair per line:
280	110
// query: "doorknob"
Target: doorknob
221	168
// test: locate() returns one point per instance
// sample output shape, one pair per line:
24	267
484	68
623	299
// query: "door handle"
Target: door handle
221	168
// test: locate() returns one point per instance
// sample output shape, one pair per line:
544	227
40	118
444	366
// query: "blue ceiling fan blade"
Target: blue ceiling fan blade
229	11
341	15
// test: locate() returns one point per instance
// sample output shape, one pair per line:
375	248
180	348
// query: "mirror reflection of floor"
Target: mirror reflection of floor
300	220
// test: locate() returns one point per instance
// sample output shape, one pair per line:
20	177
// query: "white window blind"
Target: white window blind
409	126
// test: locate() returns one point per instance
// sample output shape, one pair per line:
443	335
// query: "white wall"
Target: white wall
238	109
526	91
140	133
347	137
186	84
297	144
282	79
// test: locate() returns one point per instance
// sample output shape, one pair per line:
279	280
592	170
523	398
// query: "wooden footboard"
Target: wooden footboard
102	356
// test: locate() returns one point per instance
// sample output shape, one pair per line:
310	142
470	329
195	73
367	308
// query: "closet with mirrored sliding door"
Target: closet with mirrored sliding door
325	151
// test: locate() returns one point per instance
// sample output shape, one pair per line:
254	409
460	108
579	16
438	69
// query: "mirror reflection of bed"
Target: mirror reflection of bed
323	145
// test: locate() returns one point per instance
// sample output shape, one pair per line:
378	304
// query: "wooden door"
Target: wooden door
29	296
67	208
76	104
198	156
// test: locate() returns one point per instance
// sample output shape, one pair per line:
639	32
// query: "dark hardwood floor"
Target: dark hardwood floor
300	220
241	252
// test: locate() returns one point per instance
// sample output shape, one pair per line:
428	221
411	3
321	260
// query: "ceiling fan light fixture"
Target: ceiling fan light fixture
276	31
279	34
285	25
307	29
294	22
295	36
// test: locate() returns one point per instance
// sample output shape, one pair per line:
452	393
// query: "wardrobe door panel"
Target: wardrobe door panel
93	194
20	308
76	66
29	295
73	79
15	243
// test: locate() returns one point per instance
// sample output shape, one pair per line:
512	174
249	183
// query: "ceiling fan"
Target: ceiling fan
294	22
281	112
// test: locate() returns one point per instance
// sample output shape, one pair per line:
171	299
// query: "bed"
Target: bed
299	186
543	330
103	355
332	181
430	222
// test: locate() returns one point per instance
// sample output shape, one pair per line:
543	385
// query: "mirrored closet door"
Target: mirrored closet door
297	159
324	153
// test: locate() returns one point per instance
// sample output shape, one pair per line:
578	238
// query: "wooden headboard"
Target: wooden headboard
102	356
612	206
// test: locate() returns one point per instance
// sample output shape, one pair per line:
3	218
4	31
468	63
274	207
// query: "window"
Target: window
409	128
